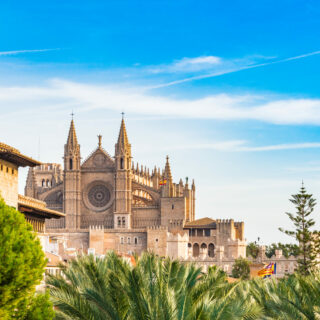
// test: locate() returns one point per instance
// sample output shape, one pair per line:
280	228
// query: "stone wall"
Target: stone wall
9	183
157	240
173	212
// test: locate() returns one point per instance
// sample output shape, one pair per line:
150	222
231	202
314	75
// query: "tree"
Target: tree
252	250
304	204
288	249
40	308
241	269
154	288
22	263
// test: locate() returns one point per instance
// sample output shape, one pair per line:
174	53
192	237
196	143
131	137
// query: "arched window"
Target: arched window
48	183
121	163
211	250
119	222
70	164
196	250
123	222
135	240
43	183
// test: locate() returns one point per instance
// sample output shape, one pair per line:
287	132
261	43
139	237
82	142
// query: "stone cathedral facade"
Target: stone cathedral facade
113	204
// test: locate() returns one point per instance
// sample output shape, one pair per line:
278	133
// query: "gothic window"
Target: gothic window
119	222
129	240
135	240
196	250
43	182
123	222
121	240
121	163
70	164
211	250
47	182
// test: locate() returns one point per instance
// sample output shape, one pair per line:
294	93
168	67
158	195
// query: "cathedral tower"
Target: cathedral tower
72	180
123	190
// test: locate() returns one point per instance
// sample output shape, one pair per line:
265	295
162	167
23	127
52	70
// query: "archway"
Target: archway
196	250
211	250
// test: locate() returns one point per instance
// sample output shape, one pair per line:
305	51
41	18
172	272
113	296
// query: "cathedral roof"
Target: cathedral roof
13	155
204	222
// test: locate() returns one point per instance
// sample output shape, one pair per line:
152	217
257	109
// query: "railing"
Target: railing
141	223
55	223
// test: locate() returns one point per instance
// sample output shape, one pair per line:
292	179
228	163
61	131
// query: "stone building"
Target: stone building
113	204
35	211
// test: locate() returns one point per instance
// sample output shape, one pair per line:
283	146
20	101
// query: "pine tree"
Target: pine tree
302	233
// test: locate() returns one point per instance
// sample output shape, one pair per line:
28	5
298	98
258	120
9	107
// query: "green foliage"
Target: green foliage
159	289
241	269
302	233
109	288
252	250
40	308
296	297
288	249
22	262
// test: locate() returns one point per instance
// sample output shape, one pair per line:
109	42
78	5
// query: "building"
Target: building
35	211
113	204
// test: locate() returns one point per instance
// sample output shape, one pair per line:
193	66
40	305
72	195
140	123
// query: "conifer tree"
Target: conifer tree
304	204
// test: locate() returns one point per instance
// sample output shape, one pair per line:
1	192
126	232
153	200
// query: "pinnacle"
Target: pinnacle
72	137
167	170
123	142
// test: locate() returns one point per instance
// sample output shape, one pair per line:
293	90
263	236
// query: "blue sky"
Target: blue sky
230	90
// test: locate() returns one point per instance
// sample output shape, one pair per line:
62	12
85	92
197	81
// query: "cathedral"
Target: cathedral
110	203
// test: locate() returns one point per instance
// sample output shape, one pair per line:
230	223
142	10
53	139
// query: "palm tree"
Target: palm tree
155	289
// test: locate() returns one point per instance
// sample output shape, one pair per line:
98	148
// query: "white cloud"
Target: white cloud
186	65
60	94
241	146
230	66
10	53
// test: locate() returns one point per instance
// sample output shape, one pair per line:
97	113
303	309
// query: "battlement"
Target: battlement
96	228
157	228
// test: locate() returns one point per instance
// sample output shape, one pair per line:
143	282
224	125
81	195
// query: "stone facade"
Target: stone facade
9	182
113	204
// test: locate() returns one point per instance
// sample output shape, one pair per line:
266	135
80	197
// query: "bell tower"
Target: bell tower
72	180
123	189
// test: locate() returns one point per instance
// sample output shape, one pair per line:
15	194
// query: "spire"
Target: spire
123	142
167	170
72	141
193	186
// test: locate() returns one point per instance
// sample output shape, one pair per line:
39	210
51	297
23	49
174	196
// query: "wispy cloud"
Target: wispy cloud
235	68
186	65
137	101
15	52
242	146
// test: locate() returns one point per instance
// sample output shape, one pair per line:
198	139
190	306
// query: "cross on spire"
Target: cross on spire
99	140
122	113
72	114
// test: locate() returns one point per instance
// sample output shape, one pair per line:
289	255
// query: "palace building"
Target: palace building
110	203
